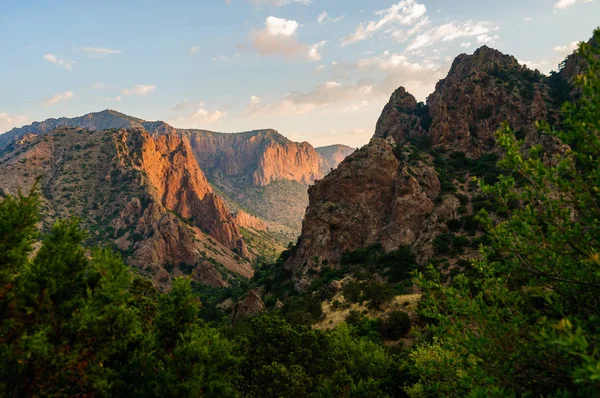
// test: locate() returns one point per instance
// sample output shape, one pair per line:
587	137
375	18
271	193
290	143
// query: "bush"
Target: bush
352	292
395	325
378	294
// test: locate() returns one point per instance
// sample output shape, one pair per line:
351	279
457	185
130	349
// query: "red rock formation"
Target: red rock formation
388	194
180	185
248	221
255	158
146	195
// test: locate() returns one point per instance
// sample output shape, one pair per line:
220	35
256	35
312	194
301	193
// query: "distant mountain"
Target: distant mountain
144	195
332	156
261	171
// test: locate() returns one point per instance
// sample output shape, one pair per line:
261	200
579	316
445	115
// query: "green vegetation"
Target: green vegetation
526	323
73	324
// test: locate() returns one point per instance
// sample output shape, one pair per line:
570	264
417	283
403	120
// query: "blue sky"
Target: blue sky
316	70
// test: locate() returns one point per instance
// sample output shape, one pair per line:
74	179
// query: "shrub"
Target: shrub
352	292
378	294
395	325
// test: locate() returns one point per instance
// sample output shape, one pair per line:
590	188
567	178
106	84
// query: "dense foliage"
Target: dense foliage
528	322
76	322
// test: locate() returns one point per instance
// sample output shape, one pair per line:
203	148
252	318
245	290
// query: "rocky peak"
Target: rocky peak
397	190
146	195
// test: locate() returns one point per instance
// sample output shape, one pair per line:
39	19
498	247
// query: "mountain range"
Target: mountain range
173	201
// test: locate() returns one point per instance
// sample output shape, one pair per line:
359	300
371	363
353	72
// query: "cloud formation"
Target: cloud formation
193	50
324	18
56	98
406	12
280	37
562	4
139	89
7	121
63	63
100	52
454	30
199	118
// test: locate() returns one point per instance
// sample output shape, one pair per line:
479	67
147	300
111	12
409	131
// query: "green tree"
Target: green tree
180	356
61	308
528	324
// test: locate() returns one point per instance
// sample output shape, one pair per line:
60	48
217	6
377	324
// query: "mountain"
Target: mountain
332	156
145	195
409	187
261	171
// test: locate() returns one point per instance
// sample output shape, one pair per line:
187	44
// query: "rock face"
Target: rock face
480	92
261	171
145	194
396	191
332	156
249	221
255	158
251	305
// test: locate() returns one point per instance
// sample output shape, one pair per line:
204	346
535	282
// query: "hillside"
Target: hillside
410	186
261	172
144	195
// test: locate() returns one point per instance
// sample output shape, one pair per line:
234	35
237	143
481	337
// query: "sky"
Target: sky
315	70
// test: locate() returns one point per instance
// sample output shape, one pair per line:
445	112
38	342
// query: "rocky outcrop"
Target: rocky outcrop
145	194
251	305
260	171
181	186
249	221
332	156
480	92
254	158
390	193
370	198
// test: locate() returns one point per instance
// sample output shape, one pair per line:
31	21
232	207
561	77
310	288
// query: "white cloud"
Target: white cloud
193	50
527	19
562	4
56	98
280	37
254	100
453	30
319	68
569	48
199	118
485	39
7	121
370	91
324	17
63	63
100	52
465	44
406	12
139	89
313	53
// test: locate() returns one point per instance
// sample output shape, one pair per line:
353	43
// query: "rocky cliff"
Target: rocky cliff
332	156
145	195
409	187
255	158
260	171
